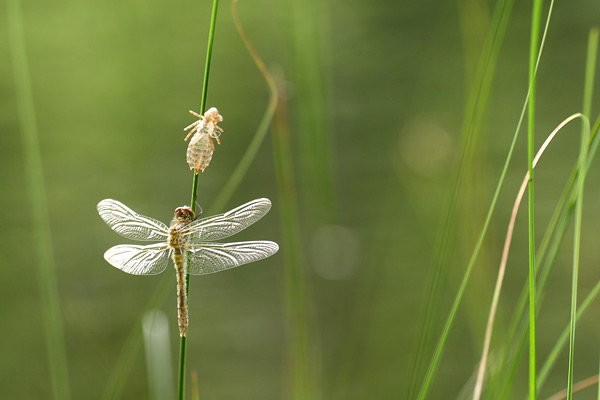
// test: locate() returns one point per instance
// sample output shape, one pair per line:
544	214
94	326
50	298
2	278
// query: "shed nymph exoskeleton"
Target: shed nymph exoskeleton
201	146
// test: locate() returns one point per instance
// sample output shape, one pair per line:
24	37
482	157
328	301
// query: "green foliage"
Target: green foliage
41	234
368	122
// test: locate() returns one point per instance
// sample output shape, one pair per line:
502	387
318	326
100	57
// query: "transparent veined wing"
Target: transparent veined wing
214	257
130	224
139	260
227	224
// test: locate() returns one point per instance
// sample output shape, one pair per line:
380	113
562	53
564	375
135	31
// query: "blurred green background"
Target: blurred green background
382	88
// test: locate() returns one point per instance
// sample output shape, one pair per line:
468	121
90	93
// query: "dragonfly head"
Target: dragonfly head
184	213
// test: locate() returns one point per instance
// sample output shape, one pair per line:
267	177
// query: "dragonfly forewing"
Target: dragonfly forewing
227	224
130	224
208	258
139	260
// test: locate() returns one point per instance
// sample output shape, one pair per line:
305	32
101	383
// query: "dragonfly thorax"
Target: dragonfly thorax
183	216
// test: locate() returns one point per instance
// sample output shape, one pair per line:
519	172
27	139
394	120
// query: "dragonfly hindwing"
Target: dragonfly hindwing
215	257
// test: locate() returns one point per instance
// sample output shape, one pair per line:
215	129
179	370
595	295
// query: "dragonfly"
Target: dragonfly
188	241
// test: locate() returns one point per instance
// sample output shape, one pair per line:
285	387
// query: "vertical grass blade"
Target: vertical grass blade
195	386
472	124
181	375
209	47
261	132
158	355
479	383
295	286
562	340
435	360
42	236
590	68
545	258
133	344
310	39
131	348
533	52
587	104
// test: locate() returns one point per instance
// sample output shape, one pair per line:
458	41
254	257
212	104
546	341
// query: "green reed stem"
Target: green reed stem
211	37
181	380
592	54
435	360
302	384
555	352
261	132
501	16
545	257
533	51
302	387
547	252
521	118
472	123
132	347
587	104
133	344
42	236
310	42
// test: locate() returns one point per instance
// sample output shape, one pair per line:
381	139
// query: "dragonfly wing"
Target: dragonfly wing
130	224
214	257
139	260
227	224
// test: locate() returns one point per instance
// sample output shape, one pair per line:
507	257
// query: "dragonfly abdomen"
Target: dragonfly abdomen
182	312
179	243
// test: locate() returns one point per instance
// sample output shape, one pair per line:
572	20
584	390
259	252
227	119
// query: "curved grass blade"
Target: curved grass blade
259	136
436	358
295	289
505	252
555	225
42	236
472	123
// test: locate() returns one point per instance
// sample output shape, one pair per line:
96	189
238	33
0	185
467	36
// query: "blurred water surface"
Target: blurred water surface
112	83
